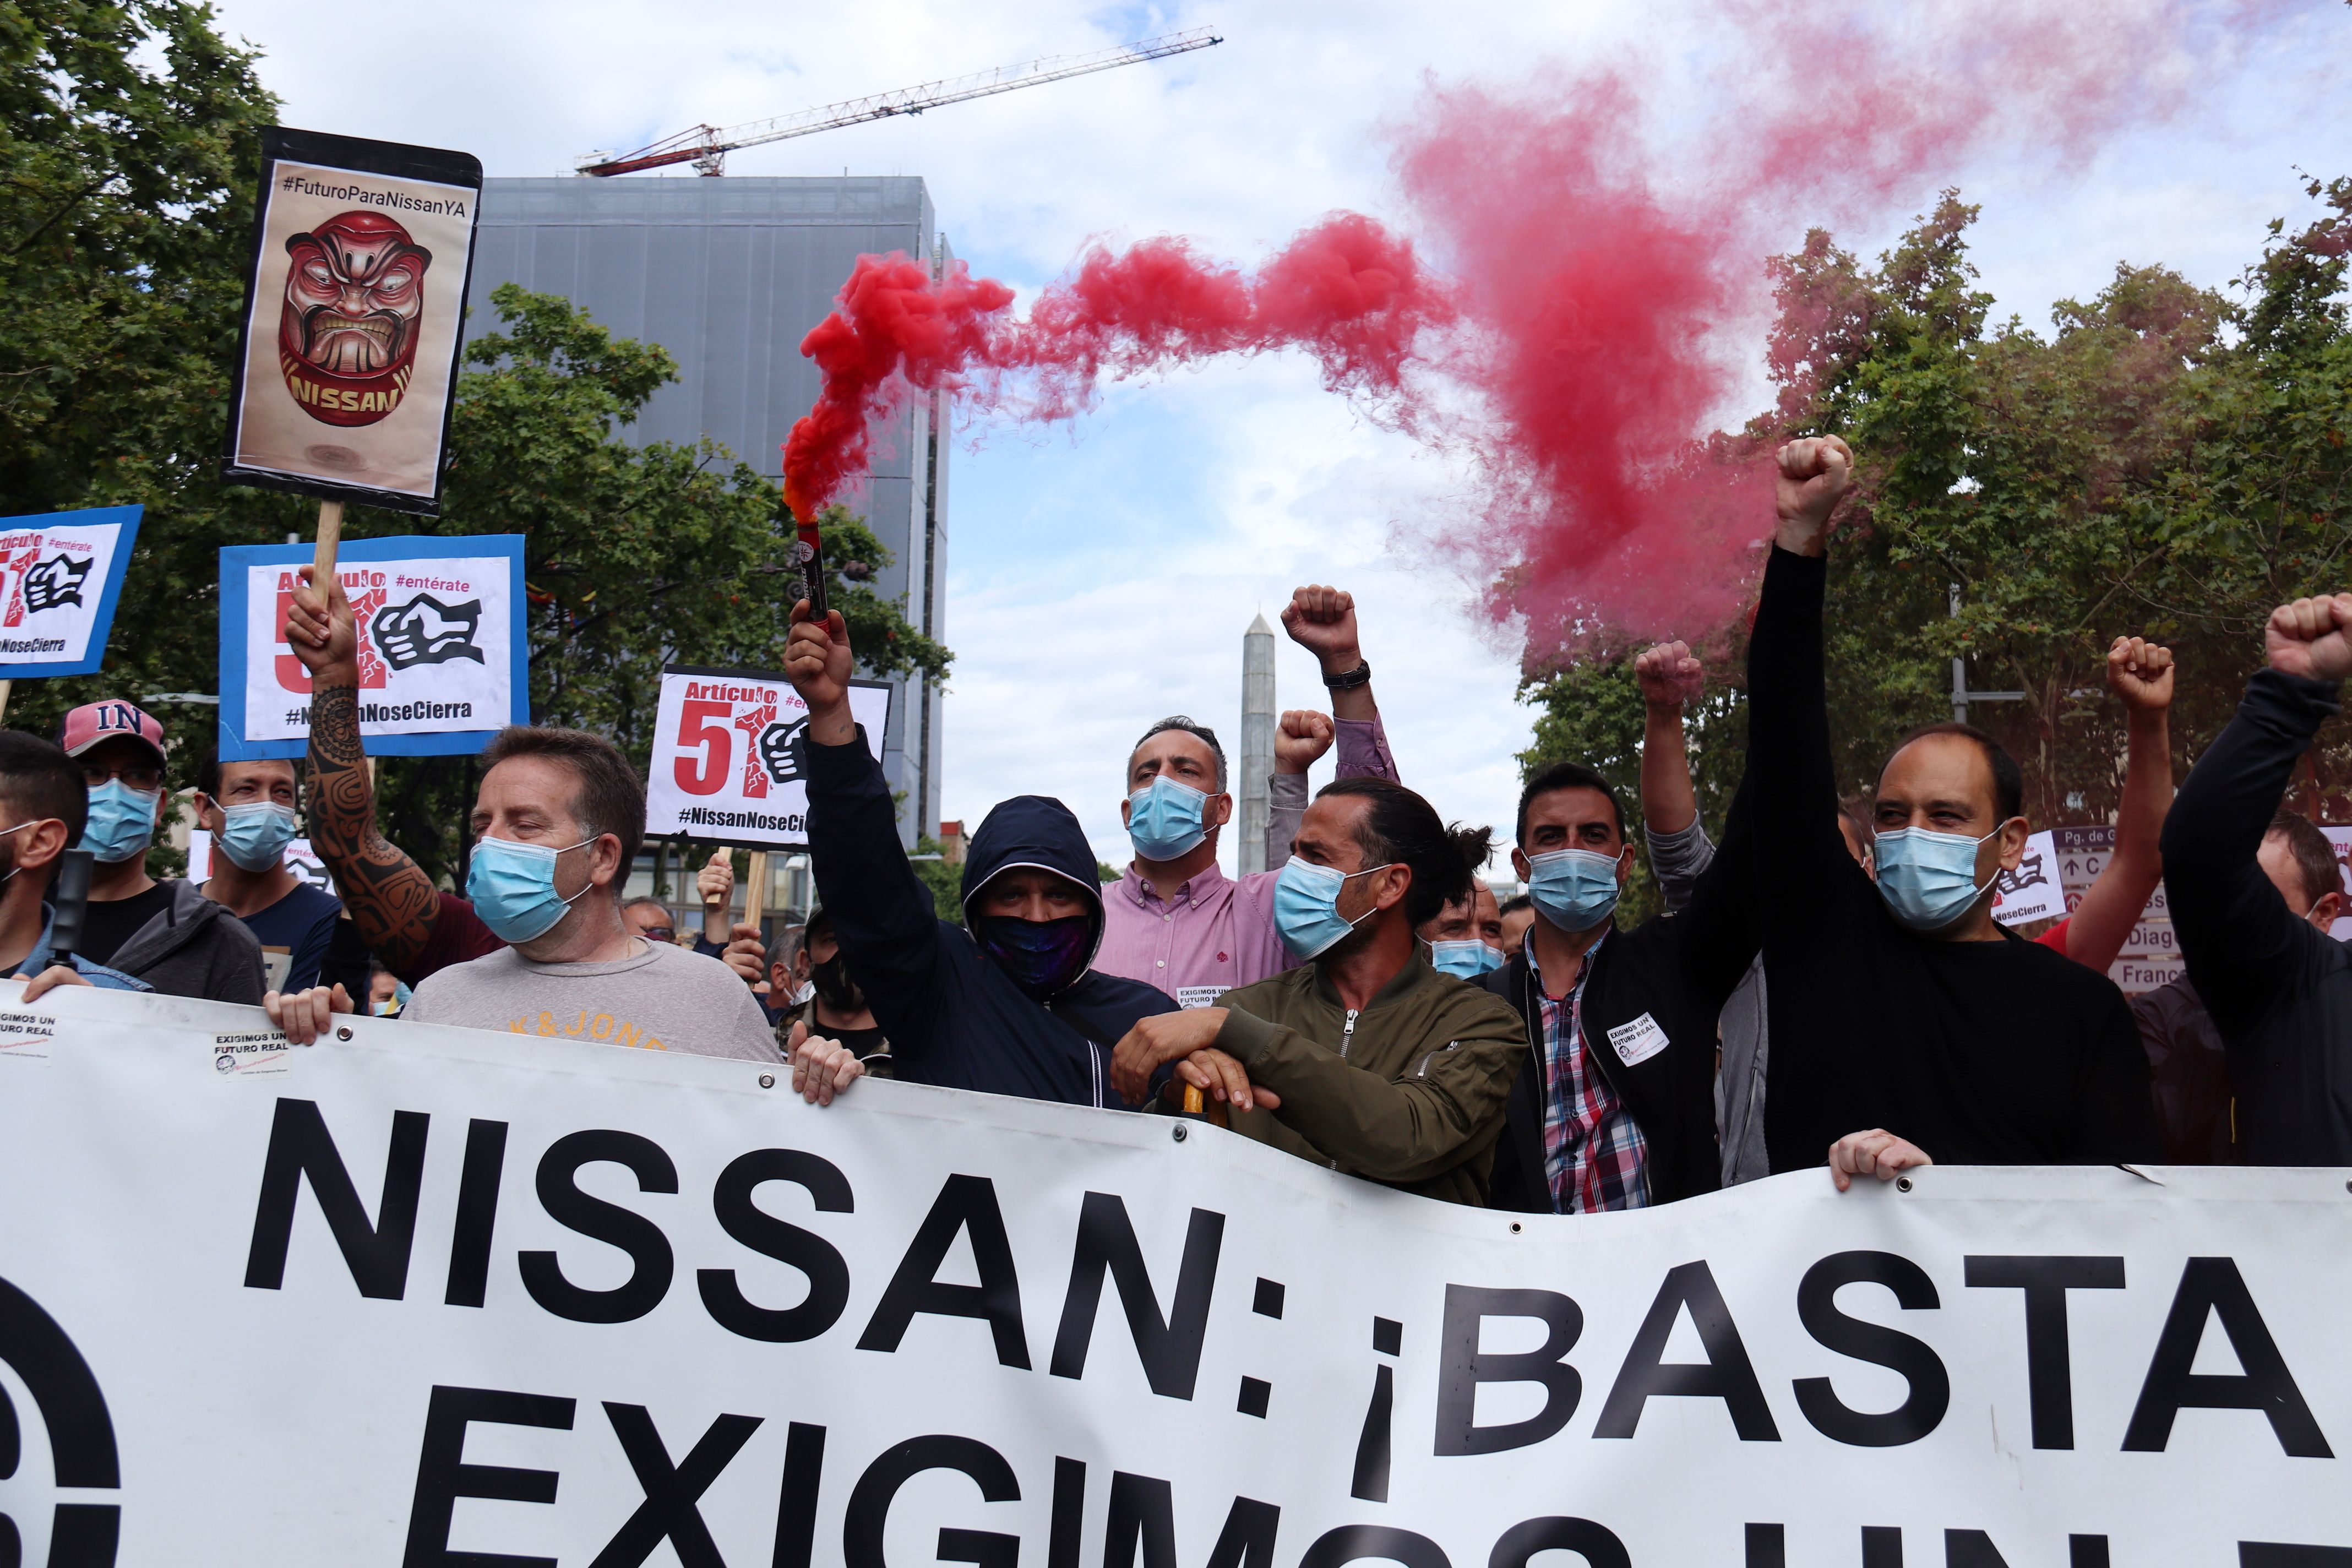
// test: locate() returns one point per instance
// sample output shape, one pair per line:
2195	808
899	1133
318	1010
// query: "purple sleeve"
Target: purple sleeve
1364	751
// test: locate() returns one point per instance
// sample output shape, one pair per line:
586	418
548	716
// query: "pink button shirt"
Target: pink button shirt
1214	934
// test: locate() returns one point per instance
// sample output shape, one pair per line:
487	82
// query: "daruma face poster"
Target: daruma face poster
347	364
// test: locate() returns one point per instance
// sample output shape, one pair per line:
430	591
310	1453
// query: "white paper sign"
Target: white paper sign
440	1296
722	770
2033	891
54	572
437	649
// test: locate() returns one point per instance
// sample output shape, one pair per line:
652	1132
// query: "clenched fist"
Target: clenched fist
1669	676
2309	638
323	633
1814	475
1300	738
2141	672
1323	621
716	881
818	662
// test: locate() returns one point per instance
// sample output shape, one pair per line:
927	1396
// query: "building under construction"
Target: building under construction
728	276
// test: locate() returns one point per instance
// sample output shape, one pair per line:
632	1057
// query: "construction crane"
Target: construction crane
707	146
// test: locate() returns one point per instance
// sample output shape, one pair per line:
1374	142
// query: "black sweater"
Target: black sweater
1990	1053
2278	988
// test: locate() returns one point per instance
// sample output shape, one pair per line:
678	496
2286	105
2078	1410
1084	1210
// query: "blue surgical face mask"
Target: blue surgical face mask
255	835
1467	960
512	885
121	822
1575	889
1929	880
1164	819
1307	906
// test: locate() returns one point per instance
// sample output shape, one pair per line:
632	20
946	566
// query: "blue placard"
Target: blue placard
236	622
41	580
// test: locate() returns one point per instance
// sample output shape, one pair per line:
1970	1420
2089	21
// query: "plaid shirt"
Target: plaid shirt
1594	1156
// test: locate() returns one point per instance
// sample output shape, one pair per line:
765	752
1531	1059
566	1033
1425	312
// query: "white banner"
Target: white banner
482	1301
722	770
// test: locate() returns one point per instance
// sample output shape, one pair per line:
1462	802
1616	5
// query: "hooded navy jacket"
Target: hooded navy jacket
952	1016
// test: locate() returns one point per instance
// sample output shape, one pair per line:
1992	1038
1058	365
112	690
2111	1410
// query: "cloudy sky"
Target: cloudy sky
1101	575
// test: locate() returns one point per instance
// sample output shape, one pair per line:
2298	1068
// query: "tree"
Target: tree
2168	461
129	138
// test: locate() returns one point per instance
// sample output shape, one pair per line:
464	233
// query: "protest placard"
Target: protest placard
346	362
520	1297
2033	891
443	659
60	575
723	769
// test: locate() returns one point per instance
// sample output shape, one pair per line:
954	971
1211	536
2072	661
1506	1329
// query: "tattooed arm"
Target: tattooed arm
391	899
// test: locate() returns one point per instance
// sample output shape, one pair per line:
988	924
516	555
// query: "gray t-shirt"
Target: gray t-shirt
663	999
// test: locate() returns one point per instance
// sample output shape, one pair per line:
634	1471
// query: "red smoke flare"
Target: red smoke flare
1347	291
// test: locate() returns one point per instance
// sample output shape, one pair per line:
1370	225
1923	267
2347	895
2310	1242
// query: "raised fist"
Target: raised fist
817	660
2141	672
321	631
1669	676
1300	739
1814	474
1323	621
2308	638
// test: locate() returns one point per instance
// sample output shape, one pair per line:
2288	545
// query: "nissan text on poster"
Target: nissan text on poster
442	661
60	574
723	770
347	357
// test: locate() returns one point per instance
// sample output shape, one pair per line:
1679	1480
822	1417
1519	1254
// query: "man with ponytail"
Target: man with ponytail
1363	1058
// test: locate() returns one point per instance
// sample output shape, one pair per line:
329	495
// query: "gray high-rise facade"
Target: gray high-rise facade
729	275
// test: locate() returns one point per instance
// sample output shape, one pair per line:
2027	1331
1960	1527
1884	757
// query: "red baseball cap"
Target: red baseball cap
92	723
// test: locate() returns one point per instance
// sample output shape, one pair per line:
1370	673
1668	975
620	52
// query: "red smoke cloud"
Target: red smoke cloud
1346	291
1604	239
1607	236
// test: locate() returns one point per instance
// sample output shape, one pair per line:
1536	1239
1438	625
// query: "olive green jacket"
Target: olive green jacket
1409	1093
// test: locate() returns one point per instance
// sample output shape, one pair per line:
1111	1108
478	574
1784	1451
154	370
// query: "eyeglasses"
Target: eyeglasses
659	933
141	777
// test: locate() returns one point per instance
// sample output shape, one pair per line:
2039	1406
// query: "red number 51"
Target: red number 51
707	773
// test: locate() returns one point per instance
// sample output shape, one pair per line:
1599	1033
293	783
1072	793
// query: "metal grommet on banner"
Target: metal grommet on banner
767	1080
1517	1228
1177	1132
344	1034
1902	1183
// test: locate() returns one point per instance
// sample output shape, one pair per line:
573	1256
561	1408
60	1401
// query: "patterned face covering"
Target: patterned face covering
1039	956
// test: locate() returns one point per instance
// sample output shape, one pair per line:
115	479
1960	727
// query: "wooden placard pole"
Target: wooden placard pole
755	887
5	687
330	534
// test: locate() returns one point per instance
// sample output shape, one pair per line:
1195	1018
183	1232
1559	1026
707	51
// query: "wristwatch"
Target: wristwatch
1360	676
